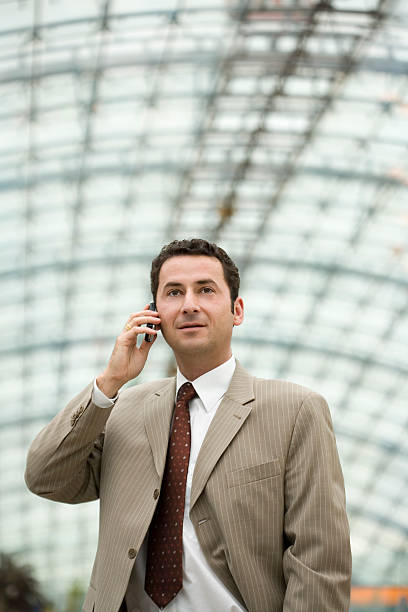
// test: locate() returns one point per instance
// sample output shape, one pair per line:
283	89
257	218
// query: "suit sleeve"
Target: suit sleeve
317	558
64	460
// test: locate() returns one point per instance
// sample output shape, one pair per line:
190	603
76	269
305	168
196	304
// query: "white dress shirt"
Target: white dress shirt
202	590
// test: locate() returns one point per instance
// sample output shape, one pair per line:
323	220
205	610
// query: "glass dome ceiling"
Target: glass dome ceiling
279	130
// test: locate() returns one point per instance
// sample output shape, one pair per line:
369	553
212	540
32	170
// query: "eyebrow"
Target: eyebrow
204	281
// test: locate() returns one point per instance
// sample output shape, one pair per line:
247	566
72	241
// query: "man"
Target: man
251	463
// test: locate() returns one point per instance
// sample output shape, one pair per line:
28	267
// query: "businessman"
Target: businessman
218	491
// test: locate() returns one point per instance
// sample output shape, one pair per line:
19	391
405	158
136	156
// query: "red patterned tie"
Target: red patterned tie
164	564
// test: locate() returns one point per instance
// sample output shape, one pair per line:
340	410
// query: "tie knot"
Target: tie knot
186	392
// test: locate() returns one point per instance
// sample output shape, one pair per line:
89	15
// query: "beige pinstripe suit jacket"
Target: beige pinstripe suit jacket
267	497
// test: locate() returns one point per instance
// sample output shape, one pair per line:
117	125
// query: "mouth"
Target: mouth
191	326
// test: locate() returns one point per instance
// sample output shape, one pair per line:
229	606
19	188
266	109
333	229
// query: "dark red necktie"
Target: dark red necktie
164	563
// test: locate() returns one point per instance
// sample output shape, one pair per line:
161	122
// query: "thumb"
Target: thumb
146	346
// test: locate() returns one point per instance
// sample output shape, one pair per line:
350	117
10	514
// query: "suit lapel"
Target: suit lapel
228	420
157	413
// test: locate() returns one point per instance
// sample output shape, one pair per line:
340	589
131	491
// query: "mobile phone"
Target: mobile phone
149	337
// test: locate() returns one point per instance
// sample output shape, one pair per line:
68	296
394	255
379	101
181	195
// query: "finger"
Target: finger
148	318
146	346
142	327
139	321
148	330
142	313
130	334
144	316
134	331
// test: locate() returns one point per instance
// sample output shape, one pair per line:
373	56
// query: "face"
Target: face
194	303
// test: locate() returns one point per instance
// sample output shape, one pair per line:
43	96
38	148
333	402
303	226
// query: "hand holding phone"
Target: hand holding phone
128	359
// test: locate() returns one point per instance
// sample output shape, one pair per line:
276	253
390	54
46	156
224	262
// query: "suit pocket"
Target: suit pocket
254	473
89	602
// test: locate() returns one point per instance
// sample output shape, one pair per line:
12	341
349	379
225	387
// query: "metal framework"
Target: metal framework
277	128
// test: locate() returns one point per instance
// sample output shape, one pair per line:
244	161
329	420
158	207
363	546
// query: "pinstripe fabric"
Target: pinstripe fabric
267	498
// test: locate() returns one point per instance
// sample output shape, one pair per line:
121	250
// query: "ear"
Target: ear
238	311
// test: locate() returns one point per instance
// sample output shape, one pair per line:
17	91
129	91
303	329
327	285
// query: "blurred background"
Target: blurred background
278	129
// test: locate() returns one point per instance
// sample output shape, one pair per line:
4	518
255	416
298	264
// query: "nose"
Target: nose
190	303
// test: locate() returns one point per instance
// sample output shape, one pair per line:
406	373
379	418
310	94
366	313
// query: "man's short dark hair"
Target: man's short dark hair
196	246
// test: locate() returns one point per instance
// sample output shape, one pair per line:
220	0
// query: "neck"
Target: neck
194	367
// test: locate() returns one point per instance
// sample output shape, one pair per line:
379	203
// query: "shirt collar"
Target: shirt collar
212	385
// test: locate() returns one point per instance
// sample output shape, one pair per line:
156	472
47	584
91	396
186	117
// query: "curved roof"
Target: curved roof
277	129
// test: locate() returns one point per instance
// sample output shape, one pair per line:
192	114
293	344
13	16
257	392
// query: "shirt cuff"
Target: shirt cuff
100	399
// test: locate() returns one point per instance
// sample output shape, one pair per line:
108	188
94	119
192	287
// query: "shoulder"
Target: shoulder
288	397
290	407
272	392
283	390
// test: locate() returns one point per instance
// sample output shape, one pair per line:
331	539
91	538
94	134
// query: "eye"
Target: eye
207	290
174	292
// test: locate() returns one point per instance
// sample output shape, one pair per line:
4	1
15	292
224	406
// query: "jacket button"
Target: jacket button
131	553
156	493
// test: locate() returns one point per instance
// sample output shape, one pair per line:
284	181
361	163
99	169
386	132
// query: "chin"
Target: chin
191	345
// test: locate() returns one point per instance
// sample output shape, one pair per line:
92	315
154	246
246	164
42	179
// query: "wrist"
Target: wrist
109	385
